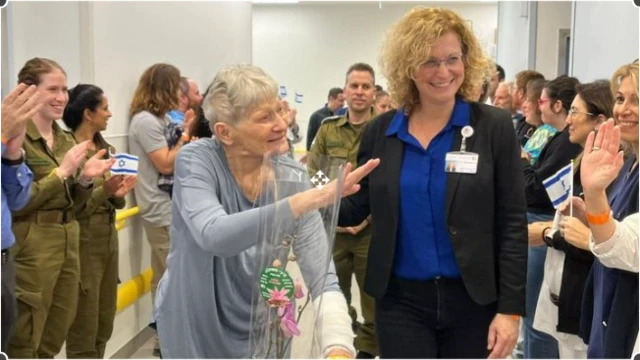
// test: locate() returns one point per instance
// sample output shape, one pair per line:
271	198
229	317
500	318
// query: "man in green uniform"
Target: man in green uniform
339	138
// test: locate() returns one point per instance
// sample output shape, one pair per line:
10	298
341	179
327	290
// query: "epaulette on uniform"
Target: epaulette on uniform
331	118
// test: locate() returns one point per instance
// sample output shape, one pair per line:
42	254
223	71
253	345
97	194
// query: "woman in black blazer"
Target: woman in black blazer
448	256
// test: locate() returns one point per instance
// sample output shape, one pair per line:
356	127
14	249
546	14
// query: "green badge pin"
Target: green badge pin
276	286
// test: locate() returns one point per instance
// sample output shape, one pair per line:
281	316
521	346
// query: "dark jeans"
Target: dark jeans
431	319
9	307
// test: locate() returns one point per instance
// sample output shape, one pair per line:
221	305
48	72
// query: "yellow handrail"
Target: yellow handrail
132	290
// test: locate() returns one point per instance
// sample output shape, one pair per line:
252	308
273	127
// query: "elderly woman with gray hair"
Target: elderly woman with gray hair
203	307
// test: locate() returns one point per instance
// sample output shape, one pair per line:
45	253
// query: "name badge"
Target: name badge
34	161
459	162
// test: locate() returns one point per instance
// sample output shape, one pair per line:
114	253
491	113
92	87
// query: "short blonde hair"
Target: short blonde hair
236	90
629	70
409	42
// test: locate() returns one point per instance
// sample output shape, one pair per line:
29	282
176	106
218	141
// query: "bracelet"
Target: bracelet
515	317
544	237
15	162
599	219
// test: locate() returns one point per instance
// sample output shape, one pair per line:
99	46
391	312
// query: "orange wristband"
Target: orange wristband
599	219
4	141
515	317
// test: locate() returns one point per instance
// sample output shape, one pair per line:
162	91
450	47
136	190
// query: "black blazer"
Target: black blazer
486	212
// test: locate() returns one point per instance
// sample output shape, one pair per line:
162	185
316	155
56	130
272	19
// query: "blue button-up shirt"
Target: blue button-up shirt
424	249
16	185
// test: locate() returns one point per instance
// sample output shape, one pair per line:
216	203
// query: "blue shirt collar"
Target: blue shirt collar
460	117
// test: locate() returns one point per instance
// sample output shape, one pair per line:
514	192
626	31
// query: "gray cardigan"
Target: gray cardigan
203	303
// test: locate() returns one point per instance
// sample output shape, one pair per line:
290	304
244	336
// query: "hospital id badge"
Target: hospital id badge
461	162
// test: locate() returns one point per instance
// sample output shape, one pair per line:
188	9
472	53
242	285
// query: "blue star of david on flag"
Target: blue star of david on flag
125	164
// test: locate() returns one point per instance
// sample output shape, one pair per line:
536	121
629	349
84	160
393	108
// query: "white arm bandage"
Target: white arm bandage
333	323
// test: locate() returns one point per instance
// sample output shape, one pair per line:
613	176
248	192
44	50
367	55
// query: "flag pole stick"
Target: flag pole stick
571	192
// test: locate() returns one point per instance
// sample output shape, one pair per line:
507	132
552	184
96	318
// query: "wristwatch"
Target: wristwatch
16	162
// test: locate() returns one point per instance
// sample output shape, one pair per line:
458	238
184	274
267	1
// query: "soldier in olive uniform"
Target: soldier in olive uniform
87	115
339	139
46	232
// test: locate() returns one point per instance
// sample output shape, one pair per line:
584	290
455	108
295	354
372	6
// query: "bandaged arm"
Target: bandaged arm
333	323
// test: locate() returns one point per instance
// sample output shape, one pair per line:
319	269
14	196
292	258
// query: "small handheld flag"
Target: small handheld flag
125	164
559	186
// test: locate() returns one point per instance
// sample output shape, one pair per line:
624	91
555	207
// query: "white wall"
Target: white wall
308	47
552	16
605	37
30	23
110	44
513	36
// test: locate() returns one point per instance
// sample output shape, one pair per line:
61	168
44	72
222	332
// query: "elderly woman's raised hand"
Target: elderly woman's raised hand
313	199
352	178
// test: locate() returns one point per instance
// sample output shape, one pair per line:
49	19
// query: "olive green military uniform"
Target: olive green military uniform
340	140
46	250
98	297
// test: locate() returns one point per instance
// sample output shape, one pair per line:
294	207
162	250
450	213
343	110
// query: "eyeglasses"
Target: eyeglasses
450	62
573	112
543	101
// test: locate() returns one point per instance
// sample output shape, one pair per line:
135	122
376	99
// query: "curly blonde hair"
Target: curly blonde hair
409	42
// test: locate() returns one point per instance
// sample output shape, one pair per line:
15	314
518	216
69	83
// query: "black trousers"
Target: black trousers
9	307
431	319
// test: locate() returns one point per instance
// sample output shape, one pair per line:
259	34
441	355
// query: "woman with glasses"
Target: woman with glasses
557	96
447	259
541	132
569	259
609	320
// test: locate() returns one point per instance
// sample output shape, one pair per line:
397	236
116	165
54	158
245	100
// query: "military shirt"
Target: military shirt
338	139
48	191
100	202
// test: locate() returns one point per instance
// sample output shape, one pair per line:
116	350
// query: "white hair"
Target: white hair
509	85
235	90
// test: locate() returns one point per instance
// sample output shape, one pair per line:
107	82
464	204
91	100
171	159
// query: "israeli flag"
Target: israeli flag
560	186
299	98
283	91
125	164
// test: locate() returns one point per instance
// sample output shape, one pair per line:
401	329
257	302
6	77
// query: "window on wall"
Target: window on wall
564	45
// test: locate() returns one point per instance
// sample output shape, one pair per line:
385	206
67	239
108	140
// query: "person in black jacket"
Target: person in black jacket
447	259
555	102
335	101
567	266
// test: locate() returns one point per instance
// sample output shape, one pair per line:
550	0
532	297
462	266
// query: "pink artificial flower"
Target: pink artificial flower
299	294
287	321
278	297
